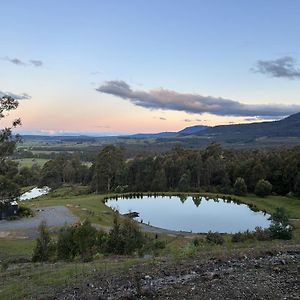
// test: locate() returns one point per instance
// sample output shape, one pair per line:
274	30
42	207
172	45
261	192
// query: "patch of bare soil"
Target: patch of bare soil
270	275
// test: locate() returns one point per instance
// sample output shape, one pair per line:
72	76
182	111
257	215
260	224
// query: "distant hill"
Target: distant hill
187	130
288	127
192	129
152	135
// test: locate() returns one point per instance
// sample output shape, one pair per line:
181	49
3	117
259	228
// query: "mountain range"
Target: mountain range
284	131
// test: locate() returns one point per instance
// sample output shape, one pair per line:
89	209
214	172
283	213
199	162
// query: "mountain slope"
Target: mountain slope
192	129
185	131
288	127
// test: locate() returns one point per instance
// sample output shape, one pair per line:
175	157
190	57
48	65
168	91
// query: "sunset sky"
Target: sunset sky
118	67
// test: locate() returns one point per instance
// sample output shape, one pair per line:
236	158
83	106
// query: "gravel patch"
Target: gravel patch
55	216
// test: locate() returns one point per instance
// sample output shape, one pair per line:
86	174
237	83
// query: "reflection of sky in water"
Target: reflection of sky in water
172	213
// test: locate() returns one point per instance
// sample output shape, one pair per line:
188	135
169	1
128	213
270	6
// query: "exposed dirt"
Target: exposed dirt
270	275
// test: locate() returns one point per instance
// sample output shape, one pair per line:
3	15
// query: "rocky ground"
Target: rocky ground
270	275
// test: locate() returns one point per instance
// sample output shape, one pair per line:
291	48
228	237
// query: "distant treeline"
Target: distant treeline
212	169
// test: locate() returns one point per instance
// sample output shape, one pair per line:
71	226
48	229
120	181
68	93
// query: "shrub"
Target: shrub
85	238
280	228
124	238
66	246
240	187
188	250
242	236
262	234
43	246
24	211
263	188
214	238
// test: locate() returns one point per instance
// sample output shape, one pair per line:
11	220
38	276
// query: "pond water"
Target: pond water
34	193
196	214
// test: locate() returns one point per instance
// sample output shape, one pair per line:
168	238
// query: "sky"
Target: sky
119	67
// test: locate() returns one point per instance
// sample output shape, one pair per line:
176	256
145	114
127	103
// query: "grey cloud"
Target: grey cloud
188	120
193	103
16	61
285	67
36	63
19	62
22	96
162	118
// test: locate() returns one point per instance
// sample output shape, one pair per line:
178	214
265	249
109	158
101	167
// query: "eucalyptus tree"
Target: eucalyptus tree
107	168
8	188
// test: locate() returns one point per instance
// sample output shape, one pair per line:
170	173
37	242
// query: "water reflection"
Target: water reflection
196	213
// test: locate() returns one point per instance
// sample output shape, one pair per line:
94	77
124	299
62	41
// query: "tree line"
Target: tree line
212	169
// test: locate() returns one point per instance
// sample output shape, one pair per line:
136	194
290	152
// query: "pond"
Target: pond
34	193
196	214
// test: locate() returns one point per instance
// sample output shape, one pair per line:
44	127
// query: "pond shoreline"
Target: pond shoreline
194	214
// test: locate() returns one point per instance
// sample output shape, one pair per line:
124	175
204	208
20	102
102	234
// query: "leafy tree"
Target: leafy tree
159	183
184	182
8	189
107	168
240	187
263	188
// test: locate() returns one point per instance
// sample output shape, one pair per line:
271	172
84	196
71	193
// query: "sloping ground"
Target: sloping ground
272	275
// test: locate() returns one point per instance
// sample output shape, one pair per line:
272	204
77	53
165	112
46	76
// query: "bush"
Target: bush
85	239
280	228
66	246
262	234
214	238
242	236
240	187
43	247
263	188
124	238
24	211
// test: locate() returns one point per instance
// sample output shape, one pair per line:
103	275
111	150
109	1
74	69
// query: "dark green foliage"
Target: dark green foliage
85	238
214	238
8	188
66	246
43	248
280	228
297	184
107	169
212	169
124	238
240	187
63	169
24	211
259	234
8	170
263	188
242	236
80	240
184	182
